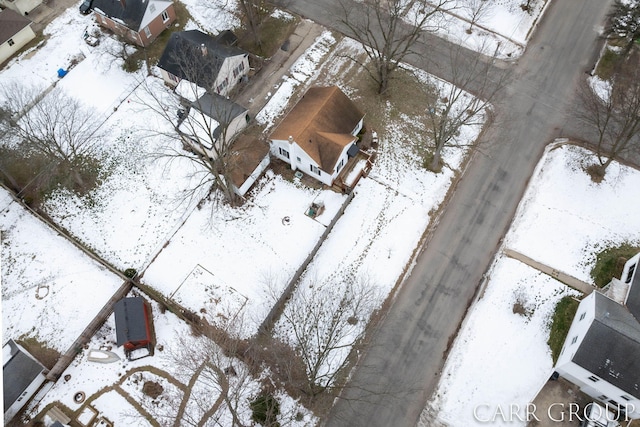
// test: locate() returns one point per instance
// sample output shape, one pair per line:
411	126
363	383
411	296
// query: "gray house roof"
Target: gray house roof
11	23
633	299
131	320
198	57
18	372
611	347
130	12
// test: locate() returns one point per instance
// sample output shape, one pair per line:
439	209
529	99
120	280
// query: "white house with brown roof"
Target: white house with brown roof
319	134
601	353
15	32
22	7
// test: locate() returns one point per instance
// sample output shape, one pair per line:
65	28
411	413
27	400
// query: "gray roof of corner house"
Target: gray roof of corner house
17	374
183	55
218	107
633	299
11	23
611	347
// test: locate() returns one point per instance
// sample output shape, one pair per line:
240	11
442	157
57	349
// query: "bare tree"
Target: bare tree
206	126
453	106
477	11
52	124
615	116
323	322
388	30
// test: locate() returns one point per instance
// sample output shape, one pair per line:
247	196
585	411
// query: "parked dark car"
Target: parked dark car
85	7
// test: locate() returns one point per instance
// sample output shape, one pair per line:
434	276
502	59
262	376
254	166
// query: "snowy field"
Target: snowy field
564	219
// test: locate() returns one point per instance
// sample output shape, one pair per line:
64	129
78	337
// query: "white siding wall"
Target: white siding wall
24	398
577	330
226	72
20	39
21	6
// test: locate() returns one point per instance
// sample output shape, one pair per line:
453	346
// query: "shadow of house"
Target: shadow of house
318	136
133	327
601	354
212	63
138	21
22	376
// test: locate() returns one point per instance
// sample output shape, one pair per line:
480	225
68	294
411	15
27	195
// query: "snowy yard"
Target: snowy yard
501	357
222	260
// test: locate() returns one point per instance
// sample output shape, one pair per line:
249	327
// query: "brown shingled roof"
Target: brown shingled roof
10	23
321	123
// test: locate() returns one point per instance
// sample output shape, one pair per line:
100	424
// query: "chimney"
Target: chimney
203	49
290	139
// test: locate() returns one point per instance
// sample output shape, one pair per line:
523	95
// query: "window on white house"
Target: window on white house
315	170
603	397
152	7
299	159
11	42
573	341
283	152
147	32
340	165
165	16
582	316
594	378
625	397
630	273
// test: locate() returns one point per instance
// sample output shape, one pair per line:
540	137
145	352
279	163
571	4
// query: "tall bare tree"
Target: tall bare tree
614	114
388	30
466	101
52	124
477	11
204	121
323	321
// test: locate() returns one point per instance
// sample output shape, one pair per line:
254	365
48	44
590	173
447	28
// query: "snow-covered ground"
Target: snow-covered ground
206	259
501	357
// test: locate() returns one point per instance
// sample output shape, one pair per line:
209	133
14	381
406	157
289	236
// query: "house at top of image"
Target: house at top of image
22	376
22	7
212	63
601	354
319	134
138	21
15	32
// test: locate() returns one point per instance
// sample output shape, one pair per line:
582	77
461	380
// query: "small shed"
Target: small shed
133	326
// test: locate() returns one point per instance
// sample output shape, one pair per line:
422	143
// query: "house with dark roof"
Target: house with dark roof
212	63
133	326
22	376
138	21
15	33
319	134
601	353
212	118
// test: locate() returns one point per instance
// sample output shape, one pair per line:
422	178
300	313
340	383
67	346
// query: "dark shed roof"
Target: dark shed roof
130	12
18	372
10	24
198	57
130	320
611	347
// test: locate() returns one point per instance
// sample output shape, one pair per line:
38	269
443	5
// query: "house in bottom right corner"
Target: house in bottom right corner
601	353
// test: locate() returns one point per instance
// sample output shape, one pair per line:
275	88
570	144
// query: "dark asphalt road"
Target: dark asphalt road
400	371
